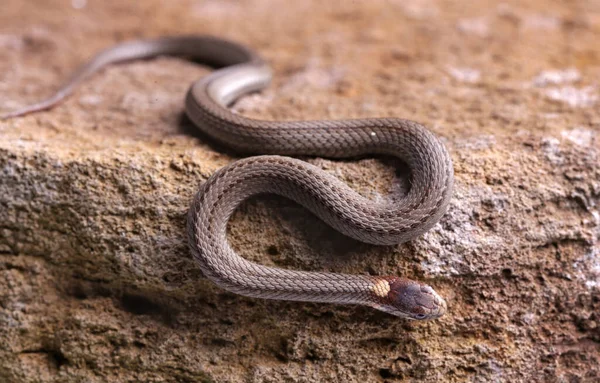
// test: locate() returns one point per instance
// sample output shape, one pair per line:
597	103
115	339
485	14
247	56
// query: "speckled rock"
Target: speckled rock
96	281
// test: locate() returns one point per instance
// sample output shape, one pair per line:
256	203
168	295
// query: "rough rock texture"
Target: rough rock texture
97	284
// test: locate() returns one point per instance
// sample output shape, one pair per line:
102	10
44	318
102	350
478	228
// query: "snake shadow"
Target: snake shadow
186	127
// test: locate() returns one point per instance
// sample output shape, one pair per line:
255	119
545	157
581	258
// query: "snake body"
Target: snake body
383	223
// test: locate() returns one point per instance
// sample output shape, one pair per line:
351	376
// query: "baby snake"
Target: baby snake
381	223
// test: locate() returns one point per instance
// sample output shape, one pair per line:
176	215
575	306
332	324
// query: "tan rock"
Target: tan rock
96	281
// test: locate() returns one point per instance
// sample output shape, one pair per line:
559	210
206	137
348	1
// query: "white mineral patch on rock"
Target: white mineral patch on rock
551	150
467	75
575	97
557	77
580	136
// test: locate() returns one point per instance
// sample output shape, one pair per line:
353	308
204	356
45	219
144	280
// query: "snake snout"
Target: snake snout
431	302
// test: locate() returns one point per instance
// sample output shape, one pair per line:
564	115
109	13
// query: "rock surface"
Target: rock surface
97	284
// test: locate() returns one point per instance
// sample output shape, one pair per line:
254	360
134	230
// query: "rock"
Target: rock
96	280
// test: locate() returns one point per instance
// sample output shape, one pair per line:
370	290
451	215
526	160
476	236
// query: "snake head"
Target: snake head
409	299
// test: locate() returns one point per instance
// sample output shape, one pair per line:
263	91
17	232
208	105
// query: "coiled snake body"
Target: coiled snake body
385	223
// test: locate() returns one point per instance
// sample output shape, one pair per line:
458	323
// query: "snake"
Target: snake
273	167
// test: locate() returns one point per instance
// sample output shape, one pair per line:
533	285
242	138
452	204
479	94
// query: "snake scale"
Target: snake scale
240	71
